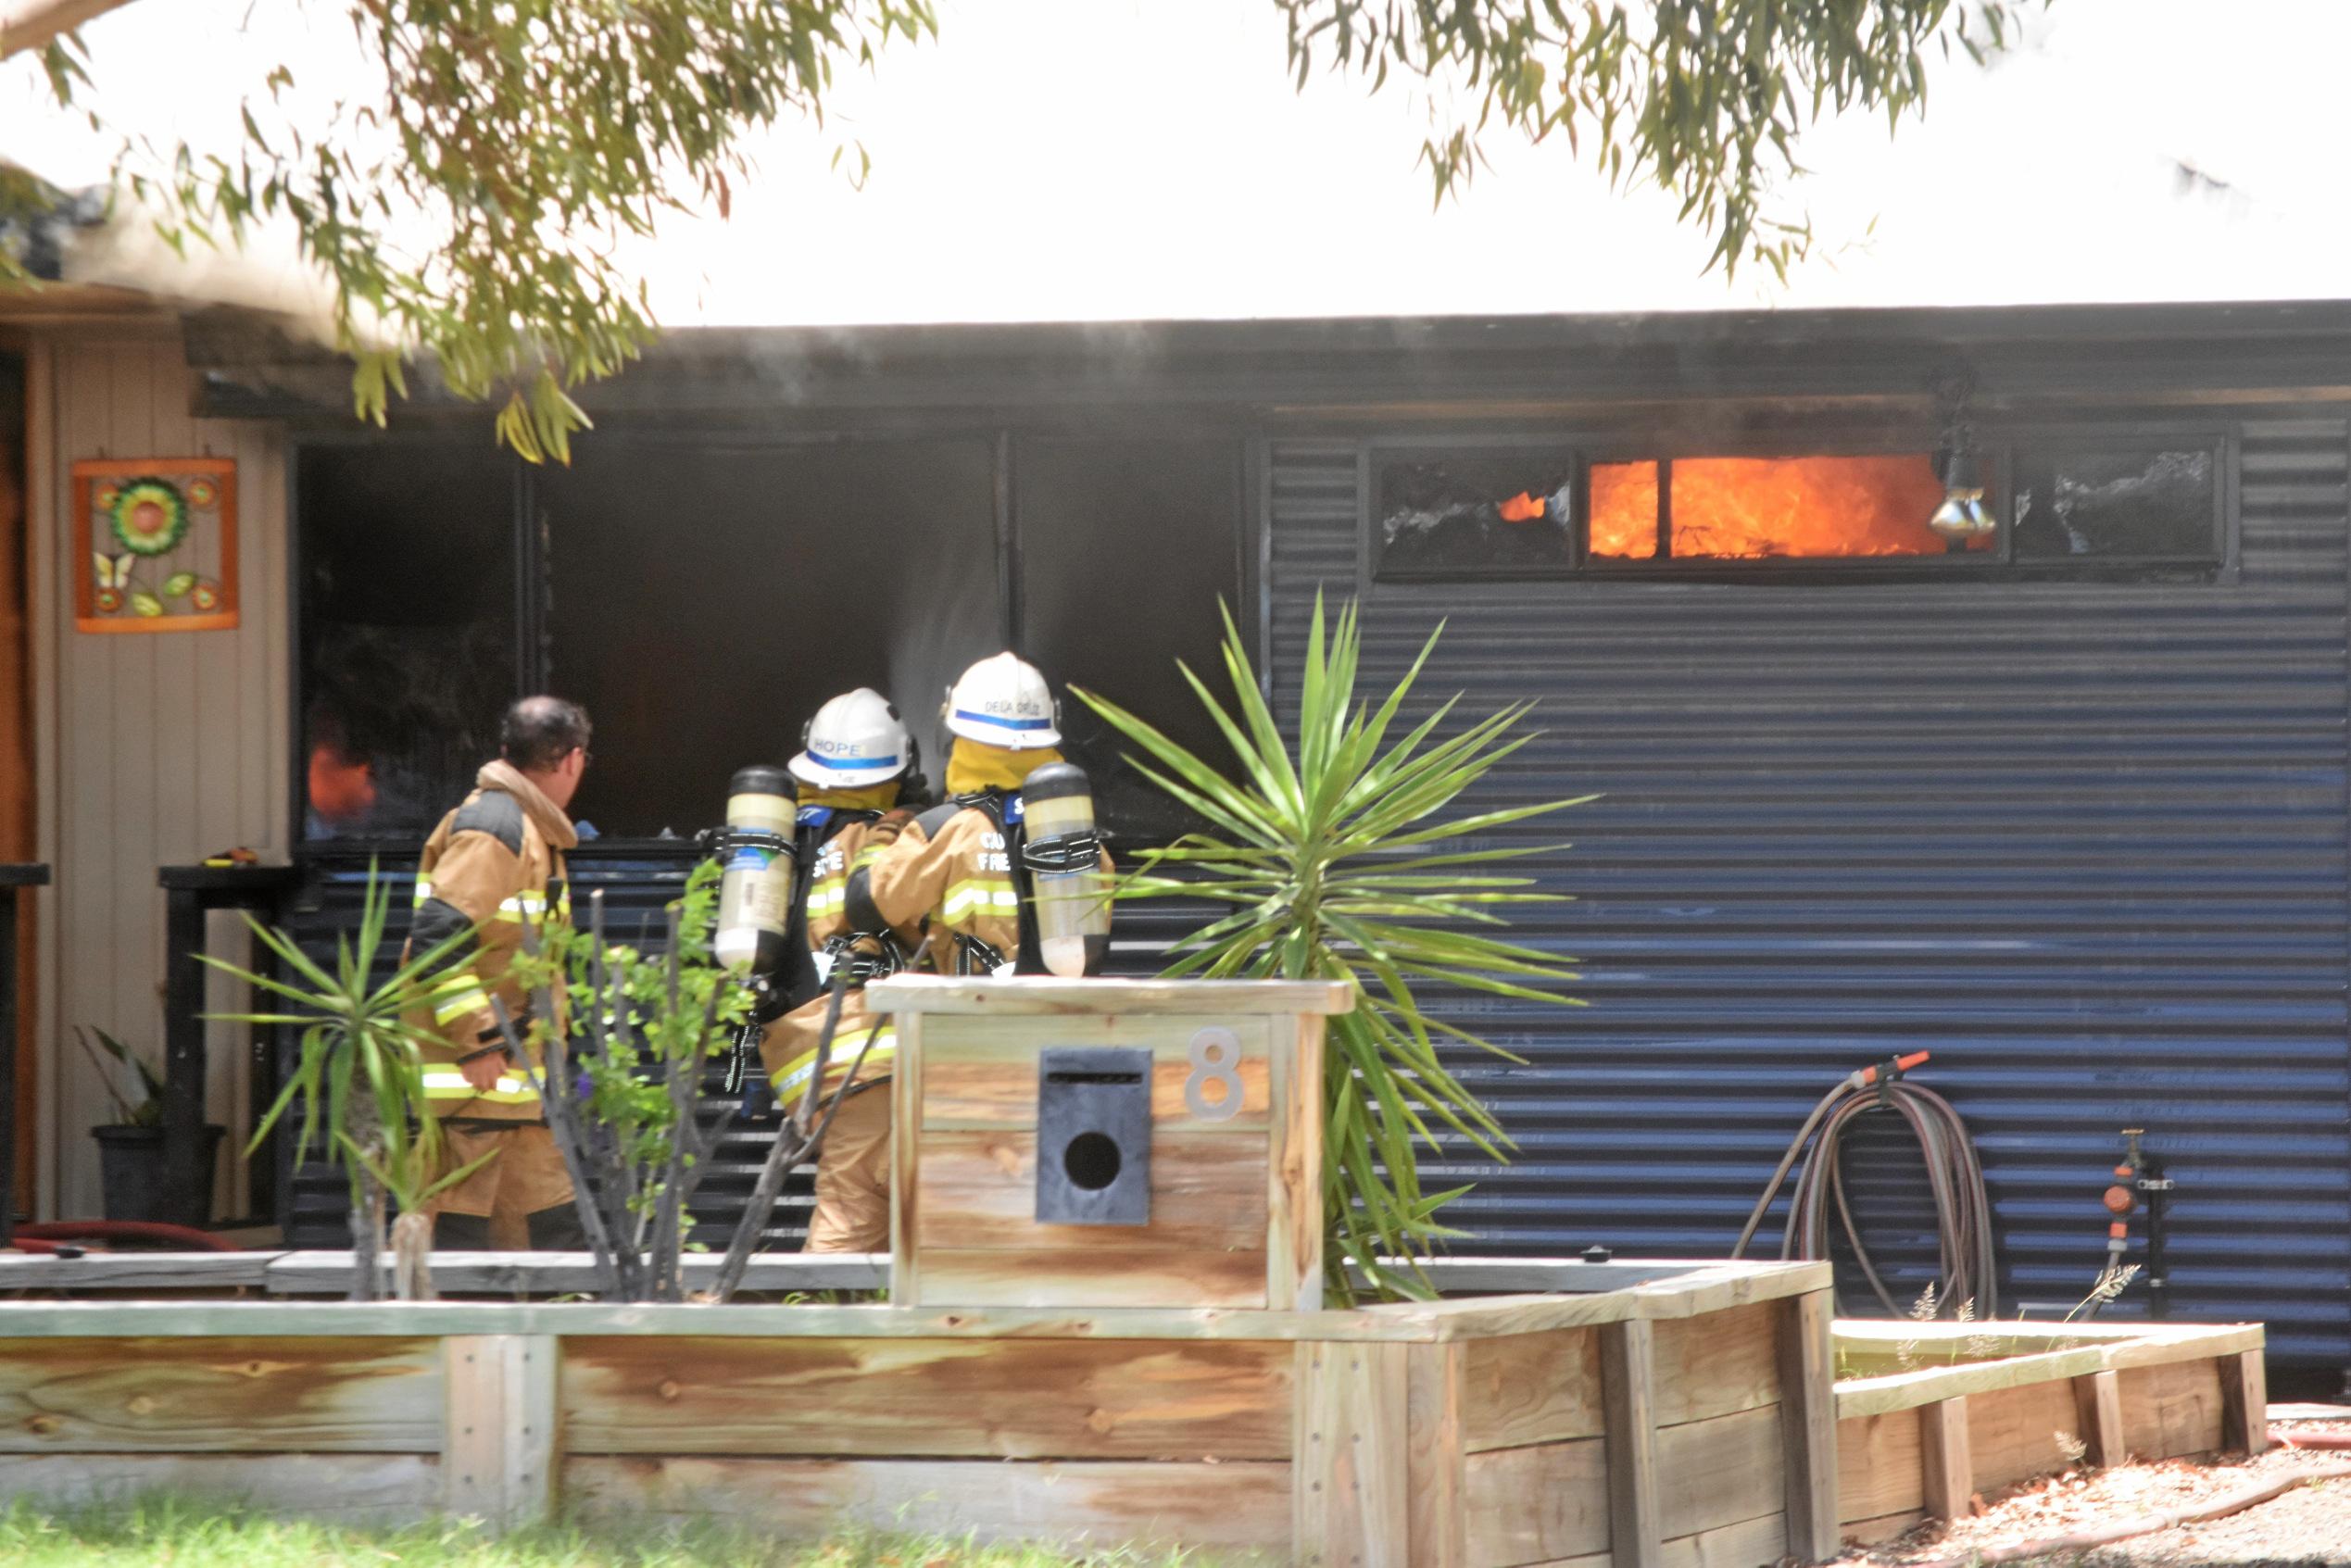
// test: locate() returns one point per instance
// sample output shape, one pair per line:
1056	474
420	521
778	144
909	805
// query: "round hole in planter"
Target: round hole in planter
1091	1161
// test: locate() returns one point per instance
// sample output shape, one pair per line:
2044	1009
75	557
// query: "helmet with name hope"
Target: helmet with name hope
855	739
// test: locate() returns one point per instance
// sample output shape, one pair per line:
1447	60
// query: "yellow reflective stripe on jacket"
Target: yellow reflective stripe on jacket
472	1000
980	896
868	855
828	897
449	1084
423	891
844	1049
522	906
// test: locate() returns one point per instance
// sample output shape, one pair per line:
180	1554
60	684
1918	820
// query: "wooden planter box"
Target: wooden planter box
1145	1361
1226	1080
1918	1444
1683	1420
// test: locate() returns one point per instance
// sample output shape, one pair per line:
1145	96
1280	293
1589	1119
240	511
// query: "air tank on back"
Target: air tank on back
1064	859
755	889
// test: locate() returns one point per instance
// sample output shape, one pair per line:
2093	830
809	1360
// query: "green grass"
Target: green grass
196	1533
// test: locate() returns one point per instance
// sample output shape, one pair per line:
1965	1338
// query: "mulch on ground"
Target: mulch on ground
2310	1524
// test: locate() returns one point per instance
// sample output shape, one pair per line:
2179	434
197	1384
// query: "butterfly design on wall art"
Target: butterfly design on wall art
160	537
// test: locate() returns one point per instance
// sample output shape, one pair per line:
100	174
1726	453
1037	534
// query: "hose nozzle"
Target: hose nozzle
1893	1069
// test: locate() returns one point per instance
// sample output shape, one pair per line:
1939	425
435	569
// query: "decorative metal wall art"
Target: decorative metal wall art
154	543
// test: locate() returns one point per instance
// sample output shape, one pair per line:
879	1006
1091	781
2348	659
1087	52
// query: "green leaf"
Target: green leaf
1344	863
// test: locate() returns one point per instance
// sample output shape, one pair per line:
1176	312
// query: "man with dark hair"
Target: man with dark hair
494	866
540	732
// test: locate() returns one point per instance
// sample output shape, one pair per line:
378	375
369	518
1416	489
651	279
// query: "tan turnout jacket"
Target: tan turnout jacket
959	881
789	1047
495	863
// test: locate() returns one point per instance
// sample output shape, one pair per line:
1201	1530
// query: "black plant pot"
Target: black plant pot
131	1169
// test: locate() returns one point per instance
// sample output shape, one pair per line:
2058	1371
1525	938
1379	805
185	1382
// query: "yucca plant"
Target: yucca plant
1324	847
360	1078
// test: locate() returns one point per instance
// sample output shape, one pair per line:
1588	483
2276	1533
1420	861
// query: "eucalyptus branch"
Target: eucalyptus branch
468	204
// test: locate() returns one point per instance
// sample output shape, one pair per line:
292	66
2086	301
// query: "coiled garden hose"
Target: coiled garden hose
1963	1209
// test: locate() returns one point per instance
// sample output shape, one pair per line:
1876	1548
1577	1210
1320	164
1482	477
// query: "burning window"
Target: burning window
407	648
1767	509
1497	510
1519	508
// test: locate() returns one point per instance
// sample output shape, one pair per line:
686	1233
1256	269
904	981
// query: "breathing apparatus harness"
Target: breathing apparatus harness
861	955
1004	811
1027	858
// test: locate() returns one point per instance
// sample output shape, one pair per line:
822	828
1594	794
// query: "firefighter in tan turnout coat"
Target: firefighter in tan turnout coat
494	865
856	759
947	874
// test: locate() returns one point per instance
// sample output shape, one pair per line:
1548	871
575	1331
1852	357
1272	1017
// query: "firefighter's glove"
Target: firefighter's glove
484	1068
889	826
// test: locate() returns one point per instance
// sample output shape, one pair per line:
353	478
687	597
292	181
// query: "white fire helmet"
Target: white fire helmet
1004	701
856	739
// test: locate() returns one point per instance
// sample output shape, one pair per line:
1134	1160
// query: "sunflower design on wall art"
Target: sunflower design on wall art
158	536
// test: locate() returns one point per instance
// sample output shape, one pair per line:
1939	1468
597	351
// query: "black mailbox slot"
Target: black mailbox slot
1094	1136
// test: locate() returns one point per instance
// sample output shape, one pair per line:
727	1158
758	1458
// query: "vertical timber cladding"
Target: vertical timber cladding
2084	841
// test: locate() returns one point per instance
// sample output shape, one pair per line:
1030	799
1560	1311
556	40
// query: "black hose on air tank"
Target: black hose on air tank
1963	1209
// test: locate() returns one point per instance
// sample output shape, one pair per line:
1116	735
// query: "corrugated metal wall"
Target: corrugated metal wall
152	751
2086	841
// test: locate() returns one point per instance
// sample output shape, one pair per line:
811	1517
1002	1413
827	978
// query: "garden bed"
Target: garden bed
1681	1418
1968	1407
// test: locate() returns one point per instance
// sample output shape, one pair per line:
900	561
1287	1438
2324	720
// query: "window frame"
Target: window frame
2224	448
301	443
532	549
1379	449
2004	449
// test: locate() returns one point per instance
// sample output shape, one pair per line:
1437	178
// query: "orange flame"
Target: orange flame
1746	509
1624	510
341	790
1754	508
1523	508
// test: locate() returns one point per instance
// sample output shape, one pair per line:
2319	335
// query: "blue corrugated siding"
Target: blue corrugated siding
2084	841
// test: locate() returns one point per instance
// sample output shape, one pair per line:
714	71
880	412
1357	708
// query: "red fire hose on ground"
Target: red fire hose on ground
50	1234
1963	1210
